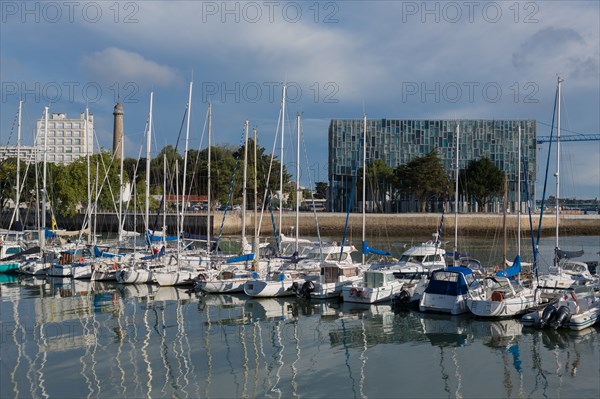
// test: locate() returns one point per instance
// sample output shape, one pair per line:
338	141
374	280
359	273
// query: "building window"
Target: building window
68	133
76	141
68	141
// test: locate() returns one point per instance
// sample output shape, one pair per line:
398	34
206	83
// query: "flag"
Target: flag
53	224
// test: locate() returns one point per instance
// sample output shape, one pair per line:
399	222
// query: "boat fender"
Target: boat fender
93	267
574	296
548	315
116	266
497	296
563	315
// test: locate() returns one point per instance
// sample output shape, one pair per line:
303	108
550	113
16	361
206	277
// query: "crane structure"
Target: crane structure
570	137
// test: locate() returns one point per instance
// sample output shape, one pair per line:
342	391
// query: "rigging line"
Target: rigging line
197	161
268	179
160	205
229	194
539	232
312	196
564	130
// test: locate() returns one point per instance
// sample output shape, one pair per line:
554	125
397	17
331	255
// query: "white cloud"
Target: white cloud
114	64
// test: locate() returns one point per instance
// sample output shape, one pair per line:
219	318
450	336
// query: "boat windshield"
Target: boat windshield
376	280
411	258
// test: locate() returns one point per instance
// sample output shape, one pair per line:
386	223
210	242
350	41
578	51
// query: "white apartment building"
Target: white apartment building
27	153
67	138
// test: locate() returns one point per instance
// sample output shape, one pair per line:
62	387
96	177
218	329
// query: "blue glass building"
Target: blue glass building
398	141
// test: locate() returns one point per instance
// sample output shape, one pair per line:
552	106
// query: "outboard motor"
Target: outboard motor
547	315
306	289
294	287
563	315
402	297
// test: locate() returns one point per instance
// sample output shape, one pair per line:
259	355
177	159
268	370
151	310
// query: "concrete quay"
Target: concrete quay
407	224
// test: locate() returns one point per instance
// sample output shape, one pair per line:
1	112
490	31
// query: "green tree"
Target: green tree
321	189
483	180
8	180
380	178
424	177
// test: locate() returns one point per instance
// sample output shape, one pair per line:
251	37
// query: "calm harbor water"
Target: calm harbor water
61	338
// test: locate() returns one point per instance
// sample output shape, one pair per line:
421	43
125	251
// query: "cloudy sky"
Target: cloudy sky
389	59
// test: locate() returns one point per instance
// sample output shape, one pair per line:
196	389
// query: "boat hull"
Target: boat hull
370	295
134	276
506	308
222	286
9	267
438	303
270	289
178	277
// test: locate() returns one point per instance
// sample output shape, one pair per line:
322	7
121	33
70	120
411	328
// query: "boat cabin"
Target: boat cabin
331	273
378	278
451	281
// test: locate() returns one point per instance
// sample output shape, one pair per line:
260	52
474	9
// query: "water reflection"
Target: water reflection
93	339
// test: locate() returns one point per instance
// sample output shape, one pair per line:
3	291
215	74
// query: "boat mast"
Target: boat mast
281	159
519	195
18	197
297	182
364	184
96	202
185	156
87	159
558	165
121	192
208	221
42	237
456	197
505	206
244	191
256	249
164	229
148	145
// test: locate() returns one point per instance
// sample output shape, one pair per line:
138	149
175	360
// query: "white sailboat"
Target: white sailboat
449	288
565	272
376	284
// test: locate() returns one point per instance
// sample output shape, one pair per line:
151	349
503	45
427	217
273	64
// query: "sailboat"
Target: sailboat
375	284
503	296
449	288
565	272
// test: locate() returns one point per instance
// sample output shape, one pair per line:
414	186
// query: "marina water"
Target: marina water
63	338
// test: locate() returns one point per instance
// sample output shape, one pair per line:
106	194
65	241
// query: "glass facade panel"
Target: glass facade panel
398	141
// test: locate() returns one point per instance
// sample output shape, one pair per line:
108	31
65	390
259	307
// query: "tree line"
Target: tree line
67	183
425	180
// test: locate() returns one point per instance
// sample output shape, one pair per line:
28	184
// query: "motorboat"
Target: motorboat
449	289
377	285
502	297
577	308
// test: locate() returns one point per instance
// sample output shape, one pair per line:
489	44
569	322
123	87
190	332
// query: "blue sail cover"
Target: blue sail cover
150	237
100	254
511	271
241	258
366	249
49	234
154	256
